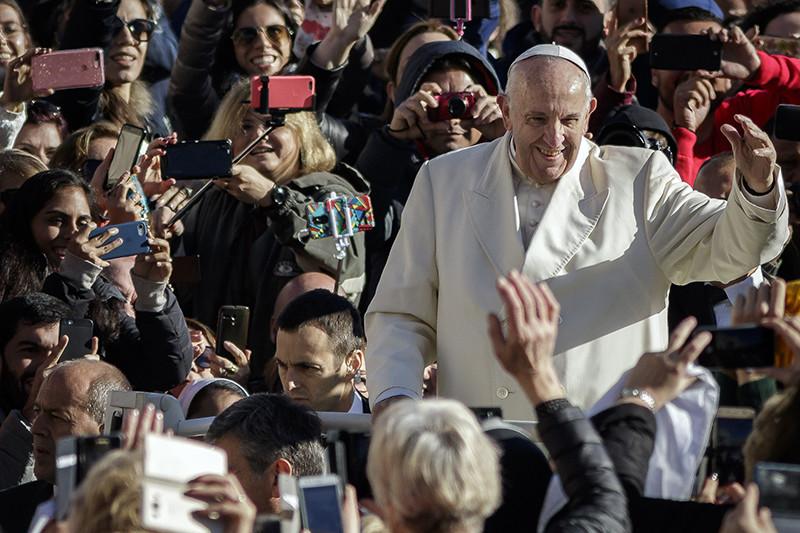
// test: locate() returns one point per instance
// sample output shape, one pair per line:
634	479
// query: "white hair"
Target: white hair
515	78
430	462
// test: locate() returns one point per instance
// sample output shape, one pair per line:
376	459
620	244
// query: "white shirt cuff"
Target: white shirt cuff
151	296
79	272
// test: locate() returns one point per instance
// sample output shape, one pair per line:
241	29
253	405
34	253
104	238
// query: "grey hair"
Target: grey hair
432	464
269	427
100	388
587	83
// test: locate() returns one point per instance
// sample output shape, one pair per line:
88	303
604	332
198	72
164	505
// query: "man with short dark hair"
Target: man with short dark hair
72	401
28	336
320	349
266	435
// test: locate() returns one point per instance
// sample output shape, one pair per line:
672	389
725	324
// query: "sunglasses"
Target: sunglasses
89	167
277	34
140	29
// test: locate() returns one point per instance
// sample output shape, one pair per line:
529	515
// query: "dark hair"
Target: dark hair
271	427
687	14
100	388
329	312
767	11
46	112
203	394
34	309
226	71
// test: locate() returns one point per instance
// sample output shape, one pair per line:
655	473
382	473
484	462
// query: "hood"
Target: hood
641	117
421	61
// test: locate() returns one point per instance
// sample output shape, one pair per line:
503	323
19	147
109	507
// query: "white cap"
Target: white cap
553	50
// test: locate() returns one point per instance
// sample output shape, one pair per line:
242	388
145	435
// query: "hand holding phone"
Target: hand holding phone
81	334
120	240
739	347
197	159
126	153
233	326
18	83
321	503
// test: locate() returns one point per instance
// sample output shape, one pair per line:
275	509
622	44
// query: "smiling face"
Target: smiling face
125	56
262	55
14	39
27	349
59	222
440	141
277	156
575	24
547	111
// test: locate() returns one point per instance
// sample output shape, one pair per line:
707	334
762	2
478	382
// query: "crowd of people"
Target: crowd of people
561	234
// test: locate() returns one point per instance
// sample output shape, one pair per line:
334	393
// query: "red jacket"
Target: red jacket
777	81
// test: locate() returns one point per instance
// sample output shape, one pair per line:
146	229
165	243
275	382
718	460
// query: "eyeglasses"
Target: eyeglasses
277	34
140	29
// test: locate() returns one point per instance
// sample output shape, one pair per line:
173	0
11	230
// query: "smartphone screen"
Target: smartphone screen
786	121
126	153
80	332
728	437
197	159
323	513
739	347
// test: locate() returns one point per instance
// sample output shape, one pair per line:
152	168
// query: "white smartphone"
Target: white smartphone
321	503
290	504
169	464
126	153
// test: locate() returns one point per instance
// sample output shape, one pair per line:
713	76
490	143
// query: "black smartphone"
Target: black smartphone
74	457
739	347
126	153
787	122
459	9
232	325
197	159
80	332
779	490
133	235
685	52
728	435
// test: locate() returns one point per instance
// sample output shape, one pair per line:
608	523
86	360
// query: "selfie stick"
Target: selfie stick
275	121
460	20
342	239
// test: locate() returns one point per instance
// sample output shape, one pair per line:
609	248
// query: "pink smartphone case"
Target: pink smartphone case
68	69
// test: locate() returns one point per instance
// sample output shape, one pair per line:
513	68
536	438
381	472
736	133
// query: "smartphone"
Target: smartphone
784	46
731	428
779	489
459	9
629	10
126	153
75	456
133	235
685	52
169	464
787	122
340	216
232	325
197	159
321	503
282	93
80	332
739	347
68	69
347	457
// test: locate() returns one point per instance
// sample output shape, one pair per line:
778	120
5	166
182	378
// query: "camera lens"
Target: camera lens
457	107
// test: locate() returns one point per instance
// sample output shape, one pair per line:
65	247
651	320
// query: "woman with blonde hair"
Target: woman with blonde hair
249	229
432	468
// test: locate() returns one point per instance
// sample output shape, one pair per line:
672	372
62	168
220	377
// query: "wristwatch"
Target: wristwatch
279	195
642	395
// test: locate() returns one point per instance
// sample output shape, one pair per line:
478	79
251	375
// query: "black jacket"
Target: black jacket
153	351
18	505
628	432
248	254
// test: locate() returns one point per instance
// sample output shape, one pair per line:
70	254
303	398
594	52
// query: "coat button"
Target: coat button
502	393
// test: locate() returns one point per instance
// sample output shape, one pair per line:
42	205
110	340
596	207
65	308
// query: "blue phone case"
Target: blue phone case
134	239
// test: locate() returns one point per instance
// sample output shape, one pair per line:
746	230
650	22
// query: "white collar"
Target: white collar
358	406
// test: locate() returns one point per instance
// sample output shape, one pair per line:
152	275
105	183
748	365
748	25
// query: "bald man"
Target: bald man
715	177
72	401
607	228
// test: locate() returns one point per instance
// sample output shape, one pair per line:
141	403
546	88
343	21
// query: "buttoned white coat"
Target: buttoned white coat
620	228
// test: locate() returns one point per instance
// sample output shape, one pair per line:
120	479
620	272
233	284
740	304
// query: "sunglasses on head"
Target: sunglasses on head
276	33
44	108
141	29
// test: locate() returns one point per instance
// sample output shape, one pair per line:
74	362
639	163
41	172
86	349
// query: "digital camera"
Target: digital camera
452	105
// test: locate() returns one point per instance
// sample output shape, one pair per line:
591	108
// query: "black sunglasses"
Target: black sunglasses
89	167
141	29
276	33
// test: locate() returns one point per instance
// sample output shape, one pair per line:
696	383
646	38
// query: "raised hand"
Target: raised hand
754	154
622	50
692	102
42	370
739	56
526	350
155	266
92	249
225	500
18	85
